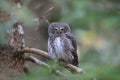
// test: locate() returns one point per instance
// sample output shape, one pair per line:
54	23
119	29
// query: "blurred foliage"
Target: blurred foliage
96	26
22	15
95	23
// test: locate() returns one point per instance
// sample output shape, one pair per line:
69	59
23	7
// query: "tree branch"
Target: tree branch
45	54
72	67
37	61
37	52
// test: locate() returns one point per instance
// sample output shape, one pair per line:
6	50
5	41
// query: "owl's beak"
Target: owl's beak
59	32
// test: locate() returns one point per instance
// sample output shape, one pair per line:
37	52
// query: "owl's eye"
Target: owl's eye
55	29
62	29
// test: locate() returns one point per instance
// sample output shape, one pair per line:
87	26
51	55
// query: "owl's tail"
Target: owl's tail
75	60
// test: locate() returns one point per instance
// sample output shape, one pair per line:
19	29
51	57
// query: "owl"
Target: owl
62	45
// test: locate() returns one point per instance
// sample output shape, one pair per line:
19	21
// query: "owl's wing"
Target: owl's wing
74	50
73	40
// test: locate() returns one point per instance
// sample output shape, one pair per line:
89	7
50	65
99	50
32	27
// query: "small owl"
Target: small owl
62	45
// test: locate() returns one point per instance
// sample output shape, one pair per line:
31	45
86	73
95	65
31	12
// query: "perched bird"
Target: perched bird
62	45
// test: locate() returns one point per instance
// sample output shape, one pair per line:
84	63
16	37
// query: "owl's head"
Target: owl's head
58	28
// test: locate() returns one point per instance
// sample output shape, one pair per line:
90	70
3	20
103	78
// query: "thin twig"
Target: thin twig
48	11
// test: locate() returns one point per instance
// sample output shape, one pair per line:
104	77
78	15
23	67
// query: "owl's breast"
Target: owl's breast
58	43
60	49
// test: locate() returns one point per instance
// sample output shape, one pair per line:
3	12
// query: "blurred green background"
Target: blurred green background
95	24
